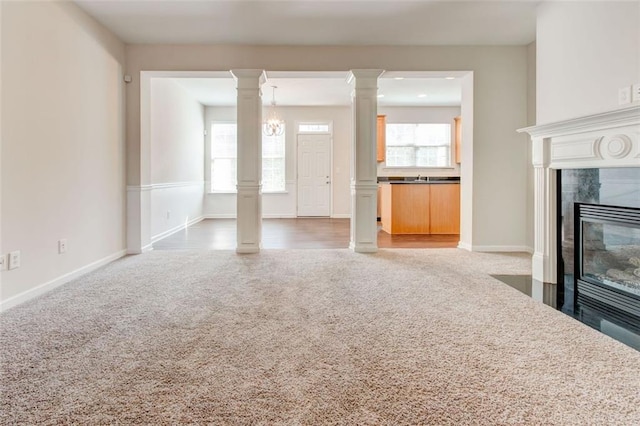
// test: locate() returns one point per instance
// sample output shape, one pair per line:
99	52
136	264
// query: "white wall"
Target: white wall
586	51
177	157
421	115
496	166
63	164
1	102
284	204
467	180
531	121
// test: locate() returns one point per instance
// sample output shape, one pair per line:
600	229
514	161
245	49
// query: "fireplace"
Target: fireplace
607	260
589	160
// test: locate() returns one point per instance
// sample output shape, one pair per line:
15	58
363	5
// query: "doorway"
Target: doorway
314	175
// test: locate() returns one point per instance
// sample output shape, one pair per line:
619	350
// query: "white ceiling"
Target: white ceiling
318	22
321	22
331	88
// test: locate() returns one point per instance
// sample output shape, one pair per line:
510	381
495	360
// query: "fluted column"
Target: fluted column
364	174
249	166
544	261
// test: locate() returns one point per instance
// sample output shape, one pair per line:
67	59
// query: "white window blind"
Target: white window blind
418	145
224	138
224	141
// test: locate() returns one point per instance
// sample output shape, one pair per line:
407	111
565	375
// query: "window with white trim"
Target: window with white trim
418	145
314	128
224	142
273	152
224	159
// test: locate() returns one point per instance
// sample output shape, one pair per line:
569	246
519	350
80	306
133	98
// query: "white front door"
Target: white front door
314	175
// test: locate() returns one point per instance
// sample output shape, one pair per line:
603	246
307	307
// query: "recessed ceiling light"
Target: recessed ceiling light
422	95
398	78
381	95
449	78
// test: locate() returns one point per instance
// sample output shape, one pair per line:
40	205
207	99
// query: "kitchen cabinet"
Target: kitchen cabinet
420	208
457	137
382	136
444	209
405	208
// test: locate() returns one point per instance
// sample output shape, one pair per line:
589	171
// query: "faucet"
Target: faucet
418	177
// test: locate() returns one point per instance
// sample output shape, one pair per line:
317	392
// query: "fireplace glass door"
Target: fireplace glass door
608	258
611	255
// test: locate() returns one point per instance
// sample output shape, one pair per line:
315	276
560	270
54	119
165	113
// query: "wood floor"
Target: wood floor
302	233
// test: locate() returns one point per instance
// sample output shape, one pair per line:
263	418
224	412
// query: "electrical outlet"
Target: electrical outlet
62	246
14	259
3	262
624	95
635	93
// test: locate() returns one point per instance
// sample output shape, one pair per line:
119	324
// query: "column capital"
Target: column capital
365	78
249	78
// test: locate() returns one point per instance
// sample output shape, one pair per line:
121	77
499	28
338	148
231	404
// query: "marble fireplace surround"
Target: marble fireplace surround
609	139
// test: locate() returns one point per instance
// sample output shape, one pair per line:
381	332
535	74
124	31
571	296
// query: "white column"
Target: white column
364	174
544	260
249	167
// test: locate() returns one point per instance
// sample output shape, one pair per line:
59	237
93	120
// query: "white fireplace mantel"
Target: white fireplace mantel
608	139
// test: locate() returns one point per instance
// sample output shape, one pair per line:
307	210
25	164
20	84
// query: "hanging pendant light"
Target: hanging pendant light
273	125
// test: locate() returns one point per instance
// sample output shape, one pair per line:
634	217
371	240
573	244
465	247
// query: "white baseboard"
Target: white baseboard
175	229
495	249
144	249
57	282
504	249
464	246
268	216
358	248
233	216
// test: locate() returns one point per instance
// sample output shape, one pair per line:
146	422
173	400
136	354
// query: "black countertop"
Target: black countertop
415	180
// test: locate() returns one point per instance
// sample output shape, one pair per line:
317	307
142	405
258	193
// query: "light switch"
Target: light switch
62	246
14	259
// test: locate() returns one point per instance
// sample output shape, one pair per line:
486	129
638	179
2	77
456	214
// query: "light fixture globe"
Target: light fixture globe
273	125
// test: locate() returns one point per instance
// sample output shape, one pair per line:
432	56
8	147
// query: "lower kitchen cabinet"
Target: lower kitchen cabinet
444	209
420	208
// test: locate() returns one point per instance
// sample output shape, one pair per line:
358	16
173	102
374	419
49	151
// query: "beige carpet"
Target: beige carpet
309	337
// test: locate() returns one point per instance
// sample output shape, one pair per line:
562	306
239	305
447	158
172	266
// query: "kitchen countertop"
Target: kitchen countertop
413	180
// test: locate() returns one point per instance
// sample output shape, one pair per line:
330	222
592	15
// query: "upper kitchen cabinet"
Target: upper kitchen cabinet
457	135
382	135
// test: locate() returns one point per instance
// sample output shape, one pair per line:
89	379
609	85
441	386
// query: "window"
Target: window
418	145
313	128
224	138
224	142
273	178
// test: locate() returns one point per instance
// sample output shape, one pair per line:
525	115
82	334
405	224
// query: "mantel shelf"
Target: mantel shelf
625	116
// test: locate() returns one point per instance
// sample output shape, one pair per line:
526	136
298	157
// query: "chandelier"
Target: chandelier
273	125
